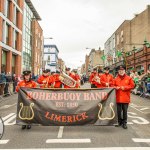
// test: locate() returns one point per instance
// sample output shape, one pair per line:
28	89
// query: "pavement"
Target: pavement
136	137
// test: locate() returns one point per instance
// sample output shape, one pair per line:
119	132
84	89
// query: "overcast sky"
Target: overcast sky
77	24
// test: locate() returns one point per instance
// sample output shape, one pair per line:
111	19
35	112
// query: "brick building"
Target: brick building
11	16
37	47
140	60
129	34
32	39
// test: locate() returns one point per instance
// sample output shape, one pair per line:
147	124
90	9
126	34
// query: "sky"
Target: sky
76	25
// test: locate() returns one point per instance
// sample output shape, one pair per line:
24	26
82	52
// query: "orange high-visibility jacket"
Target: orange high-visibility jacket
123	96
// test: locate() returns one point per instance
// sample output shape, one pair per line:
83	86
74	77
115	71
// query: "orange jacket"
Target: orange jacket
49	81
30	84
58	83
91	79
123	96
107	78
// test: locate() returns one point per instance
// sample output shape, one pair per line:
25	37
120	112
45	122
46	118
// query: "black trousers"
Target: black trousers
93	86
122	109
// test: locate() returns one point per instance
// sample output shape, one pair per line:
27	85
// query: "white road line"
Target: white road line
141	140
98	148
8	116
4	141
68	141
8	122
144	108
60	133
7	106
137	109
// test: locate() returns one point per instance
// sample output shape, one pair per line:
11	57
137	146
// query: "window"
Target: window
8	8
17	18
3	34
16	37
49	58
4	61
7	34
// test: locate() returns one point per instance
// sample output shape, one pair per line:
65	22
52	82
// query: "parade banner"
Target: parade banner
66	107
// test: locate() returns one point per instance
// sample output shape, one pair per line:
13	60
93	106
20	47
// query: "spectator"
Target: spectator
2	83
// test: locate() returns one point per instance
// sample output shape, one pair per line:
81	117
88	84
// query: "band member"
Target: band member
68	72
76	77
98	82
92	78
58	83
46	80
26	82
123	84
107	78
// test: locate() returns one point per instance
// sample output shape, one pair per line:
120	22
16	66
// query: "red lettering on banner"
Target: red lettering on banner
64	118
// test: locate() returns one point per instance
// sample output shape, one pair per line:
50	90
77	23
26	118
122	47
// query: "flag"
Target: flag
119	53
103	57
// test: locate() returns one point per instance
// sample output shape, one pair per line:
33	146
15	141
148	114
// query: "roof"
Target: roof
51	46
29	3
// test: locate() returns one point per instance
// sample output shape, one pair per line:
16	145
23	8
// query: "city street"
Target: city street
137	136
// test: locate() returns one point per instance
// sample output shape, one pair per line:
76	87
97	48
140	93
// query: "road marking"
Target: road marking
137	109
134	106
4	141
144	108
68	141
141	140
7	106
60	133
98	148
8	116
9	122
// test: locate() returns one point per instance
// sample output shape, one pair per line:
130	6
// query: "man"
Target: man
58	83
92	78
107	78
26	82
46	80
123	84
76	77
68	72
98	82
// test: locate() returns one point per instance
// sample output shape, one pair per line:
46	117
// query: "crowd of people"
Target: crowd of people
142	82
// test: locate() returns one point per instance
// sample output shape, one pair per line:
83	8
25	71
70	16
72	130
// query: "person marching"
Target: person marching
46	80
68	72
98	82
123	84
107	78
26	82
76	77
57	78
92	78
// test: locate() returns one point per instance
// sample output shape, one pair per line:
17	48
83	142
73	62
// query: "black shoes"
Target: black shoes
118	125
23	127
124	126
26	127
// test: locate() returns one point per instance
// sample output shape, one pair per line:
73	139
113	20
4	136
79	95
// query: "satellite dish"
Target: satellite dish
1	128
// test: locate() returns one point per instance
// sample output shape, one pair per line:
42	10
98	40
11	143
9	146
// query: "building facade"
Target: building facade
129	34
11	16
140	60
50	58
30	15
37	47
110	51
61	65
